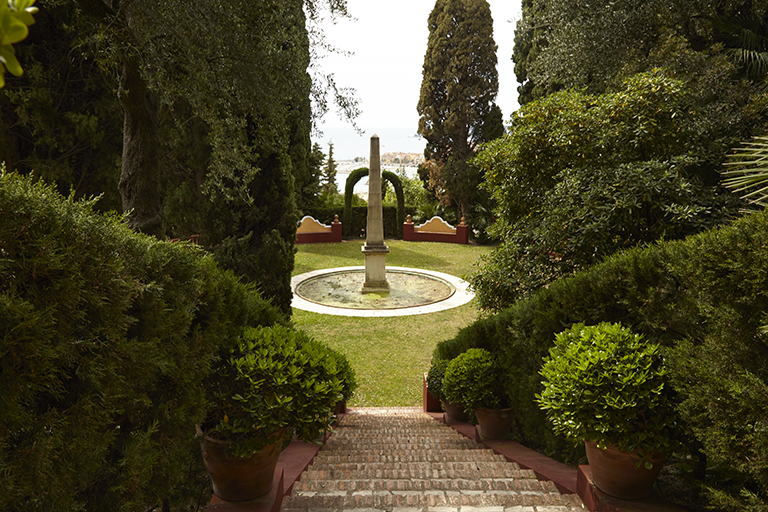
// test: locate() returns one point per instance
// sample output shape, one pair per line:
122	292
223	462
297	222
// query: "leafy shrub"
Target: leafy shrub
605	384
346	373
274	381
435	377
580	177
592	213
107	337
704	300
473	379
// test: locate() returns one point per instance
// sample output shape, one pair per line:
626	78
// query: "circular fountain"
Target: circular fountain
411	292
377	290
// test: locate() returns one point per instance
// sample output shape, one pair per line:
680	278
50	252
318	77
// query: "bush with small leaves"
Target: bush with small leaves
606	384
473	379
276	380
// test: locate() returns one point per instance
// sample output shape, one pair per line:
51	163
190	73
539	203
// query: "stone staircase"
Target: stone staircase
402	460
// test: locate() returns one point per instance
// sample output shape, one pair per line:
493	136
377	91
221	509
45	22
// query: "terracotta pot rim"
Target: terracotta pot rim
655	456
276	437
503	409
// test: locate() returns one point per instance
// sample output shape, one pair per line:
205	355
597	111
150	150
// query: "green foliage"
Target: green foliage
346	373
580	177
704	300
308	184
435	378
108	338
456	103
15	17
60	120
474	379
577	44
329	174
275	380
394	229
747	172
605	384
414	195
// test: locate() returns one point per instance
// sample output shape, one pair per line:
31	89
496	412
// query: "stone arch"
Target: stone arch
361	173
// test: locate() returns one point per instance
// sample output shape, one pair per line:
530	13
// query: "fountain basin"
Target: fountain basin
412	292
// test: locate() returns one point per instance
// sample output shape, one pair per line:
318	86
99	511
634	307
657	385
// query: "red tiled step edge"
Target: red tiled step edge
568	480
296	457
563	476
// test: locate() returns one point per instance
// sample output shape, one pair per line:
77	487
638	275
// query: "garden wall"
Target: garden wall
359	220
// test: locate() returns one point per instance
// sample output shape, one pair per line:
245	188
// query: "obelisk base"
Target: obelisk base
375	269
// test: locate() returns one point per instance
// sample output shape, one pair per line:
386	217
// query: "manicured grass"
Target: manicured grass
391	354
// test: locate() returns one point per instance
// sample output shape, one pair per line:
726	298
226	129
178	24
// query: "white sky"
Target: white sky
389	40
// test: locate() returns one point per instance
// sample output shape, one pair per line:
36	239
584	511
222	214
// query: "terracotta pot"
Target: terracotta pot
239	479
614	472
454	412
494	423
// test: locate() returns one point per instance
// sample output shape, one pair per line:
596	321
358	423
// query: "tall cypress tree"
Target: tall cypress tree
458	90
329	174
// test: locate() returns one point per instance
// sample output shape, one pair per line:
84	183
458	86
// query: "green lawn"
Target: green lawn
389	355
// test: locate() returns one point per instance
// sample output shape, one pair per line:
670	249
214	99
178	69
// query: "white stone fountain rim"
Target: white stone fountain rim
462	295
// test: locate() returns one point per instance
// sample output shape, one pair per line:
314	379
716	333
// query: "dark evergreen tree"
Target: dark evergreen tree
308	186
60	120
458	90
208	134
329	174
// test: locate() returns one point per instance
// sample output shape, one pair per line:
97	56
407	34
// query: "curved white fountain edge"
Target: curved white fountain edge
461	297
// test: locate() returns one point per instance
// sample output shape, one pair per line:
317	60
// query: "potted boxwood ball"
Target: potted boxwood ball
605	386
454	411
276	383
474	380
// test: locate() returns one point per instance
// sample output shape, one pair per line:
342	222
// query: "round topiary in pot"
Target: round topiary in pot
605	386
474	379
276	382
453	410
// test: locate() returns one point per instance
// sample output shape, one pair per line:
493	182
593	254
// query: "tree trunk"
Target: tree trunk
140	174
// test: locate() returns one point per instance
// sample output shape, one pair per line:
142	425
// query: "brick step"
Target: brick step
409	440
391	448
360	456
440	435
441	465
397	473
388	500
441	430
383	460
525	481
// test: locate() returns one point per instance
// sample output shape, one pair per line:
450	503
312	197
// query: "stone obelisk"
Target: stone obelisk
375	250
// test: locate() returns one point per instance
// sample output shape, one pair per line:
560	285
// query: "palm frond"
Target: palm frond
748	171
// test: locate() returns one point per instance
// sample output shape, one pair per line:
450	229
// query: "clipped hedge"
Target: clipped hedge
106	339
355	226
704	299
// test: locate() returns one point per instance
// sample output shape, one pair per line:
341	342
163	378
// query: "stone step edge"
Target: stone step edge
298	456
563	476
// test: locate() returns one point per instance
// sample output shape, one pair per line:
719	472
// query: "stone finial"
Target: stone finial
408	219
336	219
462	222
